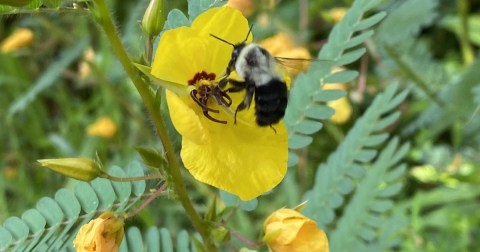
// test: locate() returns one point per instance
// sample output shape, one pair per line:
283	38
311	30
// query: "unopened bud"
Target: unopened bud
20	38
154	18
78	168
221	234
15	3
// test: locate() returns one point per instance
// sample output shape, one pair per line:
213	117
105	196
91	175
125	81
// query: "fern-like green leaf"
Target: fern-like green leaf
458	98
369	202
306	99
175	19
52	224
406	19
346	162
155	240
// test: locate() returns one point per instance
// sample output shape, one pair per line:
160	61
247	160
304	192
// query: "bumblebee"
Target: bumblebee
260	79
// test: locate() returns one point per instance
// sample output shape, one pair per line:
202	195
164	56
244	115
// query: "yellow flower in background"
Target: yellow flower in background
103	234
342	106
282	45
334	15
287	230
18	39
84	69
247	7
243	158
104	127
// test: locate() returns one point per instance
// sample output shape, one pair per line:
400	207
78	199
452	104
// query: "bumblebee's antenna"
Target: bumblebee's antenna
248	34
224	41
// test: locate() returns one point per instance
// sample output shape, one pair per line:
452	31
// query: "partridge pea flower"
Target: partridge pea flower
288	230
243	158
103	234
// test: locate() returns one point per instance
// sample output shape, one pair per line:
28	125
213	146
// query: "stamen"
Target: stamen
205	90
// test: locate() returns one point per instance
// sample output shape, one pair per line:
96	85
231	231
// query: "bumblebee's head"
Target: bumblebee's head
236	51
237	48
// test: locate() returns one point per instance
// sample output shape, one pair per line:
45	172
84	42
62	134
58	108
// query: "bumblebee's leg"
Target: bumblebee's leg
237	86
246	101
204	106
221	97
205	113
223	82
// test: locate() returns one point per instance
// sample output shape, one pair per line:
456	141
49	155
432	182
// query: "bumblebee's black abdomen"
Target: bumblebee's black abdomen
270	102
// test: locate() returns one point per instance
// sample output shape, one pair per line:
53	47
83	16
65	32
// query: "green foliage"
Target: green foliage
361	224
52	223
49	77
155	239
306	96
335	179
406	19
416	83
36	6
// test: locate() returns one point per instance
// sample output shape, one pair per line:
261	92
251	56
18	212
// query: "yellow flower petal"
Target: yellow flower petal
181	53
103	234
185	118
241	158
289	230
224	22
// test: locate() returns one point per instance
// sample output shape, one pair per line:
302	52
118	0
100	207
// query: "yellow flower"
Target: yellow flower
247	7
336	14
20	38
243	158
103	234
342	106
288	230
104	127
84	68
282	45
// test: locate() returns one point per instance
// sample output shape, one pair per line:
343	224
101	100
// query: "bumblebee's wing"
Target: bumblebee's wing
294	65
174	87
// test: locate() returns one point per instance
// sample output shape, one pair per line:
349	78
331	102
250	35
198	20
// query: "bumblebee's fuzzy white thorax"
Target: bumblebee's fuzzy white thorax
254	64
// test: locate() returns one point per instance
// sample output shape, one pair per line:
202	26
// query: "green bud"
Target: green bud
154	18
220	234
15	3
78	168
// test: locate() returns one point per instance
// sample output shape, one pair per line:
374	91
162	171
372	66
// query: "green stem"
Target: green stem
131	179
467	50
105	20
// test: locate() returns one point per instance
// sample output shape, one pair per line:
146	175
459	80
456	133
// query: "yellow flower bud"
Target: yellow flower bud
18	39
289	230
154	18
78	168
104	127
103	234
15	3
